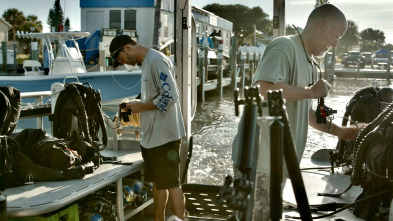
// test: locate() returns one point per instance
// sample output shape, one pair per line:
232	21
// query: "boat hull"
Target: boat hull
113	85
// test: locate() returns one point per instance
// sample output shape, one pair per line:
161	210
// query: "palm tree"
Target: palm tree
372	36
16	19
51	21
33	21
31	24
351	36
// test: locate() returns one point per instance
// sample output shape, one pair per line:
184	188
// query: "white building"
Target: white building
136	18
4	27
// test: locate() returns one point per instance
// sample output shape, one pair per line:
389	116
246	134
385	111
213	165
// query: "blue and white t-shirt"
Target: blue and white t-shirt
158	85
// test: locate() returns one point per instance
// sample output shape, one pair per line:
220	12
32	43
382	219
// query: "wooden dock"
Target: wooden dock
363	73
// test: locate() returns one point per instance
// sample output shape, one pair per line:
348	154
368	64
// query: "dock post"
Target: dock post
234	63
252	63
203	84
15	60
249	62
388	66
102	56
205	62
255	59
219	71
201	76
4	50
243	74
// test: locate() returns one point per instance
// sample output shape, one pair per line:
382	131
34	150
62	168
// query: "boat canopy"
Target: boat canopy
66	60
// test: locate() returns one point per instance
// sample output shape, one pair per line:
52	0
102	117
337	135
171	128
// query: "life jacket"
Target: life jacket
78	115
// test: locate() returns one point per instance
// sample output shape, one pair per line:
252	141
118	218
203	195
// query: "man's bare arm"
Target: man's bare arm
295	93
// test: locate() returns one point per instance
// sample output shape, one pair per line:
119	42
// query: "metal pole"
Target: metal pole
276	168
220	71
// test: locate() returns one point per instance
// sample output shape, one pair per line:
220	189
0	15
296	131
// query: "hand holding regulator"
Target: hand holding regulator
322	112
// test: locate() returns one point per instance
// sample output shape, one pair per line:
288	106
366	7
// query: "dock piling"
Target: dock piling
233	60
4	50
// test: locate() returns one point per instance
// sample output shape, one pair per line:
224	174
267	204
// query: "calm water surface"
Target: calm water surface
215	125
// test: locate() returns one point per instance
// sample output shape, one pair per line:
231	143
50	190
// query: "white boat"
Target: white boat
68	66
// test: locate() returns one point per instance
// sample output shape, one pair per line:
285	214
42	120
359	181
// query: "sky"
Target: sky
375	14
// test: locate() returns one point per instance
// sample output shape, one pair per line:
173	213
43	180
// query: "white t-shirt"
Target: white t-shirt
158	85
284	61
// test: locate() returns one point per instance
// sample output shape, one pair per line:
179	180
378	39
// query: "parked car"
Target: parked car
379	59
352	58
367	57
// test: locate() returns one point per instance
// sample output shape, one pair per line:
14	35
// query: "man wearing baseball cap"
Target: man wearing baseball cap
161	121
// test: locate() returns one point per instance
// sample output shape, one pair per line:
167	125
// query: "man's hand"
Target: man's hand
135	106
351	132
320	89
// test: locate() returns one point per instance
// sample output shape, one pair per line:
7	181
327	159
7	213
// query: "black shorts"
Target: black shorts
162	165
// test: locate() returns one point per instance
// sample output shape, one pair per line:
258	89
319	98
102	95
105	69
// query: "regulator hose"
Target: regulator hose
379	124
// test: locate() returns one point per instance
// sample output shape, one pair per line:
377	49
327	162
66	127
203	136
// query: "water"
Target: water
215	125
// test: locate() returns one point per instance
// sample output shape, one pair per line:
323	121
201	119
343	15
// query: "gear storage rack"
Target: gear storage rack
43	197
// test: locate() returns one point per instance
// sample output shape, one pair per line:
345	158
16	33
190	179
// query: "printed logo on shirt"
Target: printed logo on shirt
164	100
163	76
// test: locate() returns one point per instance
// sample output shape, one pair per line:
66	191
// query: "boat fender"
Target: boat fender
55	90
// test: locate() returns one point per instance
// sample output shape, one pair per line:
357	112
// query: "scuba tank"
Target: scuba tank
55	89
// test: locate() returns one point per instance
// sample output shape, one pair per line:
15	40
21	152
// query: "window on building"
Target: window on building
130	19
115	19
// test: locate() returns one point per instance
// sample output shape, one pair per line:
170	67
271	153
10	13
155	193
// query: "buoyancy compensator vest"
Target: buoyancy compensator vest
10	105
363	107
78	115
370	156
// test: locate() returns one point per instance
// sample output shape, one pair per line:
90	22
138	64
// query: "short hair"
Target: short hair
325	11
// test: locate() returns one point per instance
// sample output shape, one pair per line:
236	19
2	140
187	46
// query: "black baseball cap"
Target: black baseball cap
117	45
